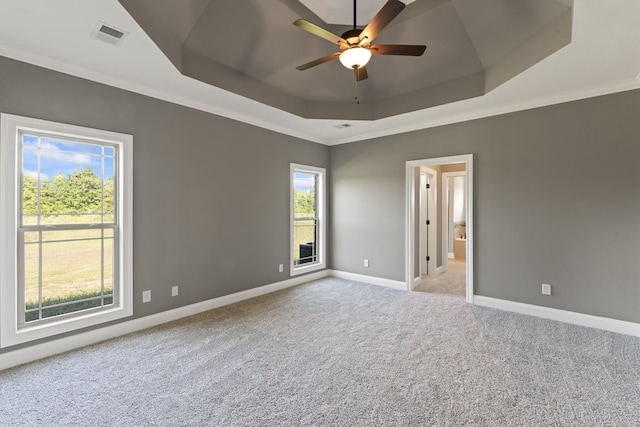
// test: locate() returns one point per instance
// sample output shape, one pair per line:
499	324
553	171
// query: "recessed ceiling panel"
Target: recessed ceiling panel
517	21
340	12
251	47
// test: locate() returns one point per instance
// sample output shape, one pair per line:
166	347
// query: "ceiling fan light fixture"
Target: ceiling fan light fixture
355	44
355	57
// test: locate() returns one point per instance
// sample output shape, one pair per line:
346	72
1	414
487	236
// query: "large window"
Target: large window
65	226
307	219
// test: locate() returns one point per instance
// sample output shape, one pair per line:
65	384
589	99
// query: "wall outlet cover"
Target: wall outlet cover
146	296
546	289
174	291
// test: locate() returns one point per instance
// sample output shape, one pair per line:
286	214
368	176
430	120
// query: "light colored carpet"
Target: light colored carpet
335	352
455	265
445	283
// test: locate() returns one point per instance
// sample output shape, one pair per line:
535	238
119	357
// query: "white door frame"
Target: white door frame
410	213
445	214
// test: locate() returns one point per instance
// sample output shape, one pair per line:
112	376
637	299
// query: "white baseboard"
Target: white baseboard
40	351
439	270
416	282
604	323
450	255
388	283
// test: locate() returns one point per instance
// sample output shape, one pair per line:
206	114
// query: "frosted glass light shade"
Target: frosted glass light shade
355	57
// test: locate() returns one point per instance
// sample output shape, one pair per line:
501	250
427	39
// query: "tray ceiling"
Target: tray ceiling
602	58
251	48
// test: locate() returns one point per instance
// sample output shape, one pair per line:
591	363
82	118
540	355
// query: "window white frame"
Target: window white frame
321	239
10	333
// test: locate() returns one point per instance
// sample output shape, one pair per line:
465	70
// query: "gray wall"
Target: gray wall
557	200
211	195
556	195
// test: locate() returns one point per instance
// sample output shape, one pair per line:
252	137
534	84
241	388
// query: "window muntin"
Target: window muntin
68	224
65	182
66	271
90	240
307	219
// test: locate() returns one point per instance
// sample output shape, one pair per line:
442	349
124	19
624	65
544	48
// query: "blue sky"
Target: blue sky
303	181
60	156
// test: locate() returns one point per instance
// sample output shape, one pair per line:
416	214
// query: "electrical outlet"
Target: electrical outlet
280	268
366	262
174	291
146	296
546	289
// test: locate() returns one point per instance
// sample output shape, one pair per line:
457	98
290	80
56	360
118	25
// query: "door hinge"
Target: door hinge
428	222
428	185
428	258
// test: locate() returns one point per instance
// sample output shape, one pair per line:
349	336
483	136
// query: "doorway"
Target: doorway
454	202
454	228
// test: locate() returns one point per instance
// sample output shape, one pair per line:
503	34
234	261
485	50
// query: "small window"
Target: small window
67	224
307	219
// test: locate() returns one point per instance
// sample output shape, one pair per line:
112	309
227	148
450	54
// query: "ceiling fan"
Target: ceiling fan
355	45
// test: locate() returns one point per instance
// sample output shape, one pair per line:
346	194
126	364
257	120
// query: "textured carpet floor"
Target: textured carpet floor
445	283
335	352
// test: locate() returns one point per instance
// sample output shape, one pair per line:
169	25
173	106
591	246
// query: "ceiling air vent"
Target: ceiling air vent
343	126
109	34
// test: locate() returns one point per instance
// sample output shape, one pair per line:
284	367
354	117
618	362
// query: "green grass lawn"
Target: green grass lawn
73	266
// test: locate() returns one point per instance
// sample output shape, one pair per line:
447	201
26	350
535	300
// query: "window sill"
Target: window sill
44	330
309	268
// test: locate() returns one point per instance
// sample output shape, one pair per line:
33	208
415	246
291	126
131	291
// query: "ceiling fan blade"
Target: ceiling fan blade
318	61
361	73
398	49
388	12
320	32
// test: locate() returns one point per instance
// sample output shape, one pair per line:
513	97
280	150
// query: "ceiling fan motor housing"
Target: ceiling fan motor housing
353	37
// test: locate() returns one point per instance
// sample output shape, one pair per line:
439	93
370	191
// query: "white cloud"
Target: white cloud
52	151
34	174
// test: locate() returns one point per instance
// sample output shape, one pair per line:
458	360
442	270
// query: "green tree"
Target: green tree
79	192
304	202
52	194
29	195
108	195
83	192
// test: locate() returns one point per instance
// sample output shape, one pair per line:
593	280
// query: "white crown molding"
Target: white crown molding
220	109
564	69
420	120
270	118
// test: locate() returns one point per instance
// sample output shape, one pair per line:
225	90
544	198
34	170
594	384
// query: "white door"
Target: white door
424	230
432	223
427	218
